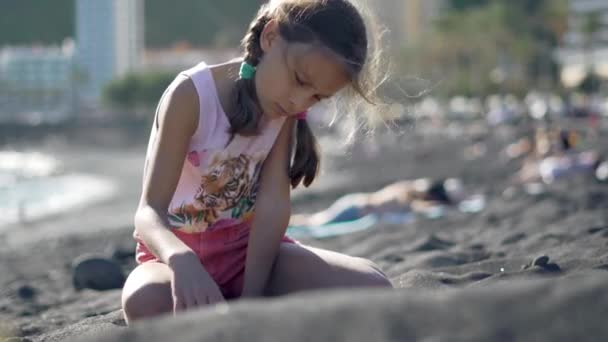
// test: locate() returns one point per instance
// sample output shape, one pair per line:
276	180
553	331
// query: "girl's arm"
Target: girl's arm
272	212
177	119
178	113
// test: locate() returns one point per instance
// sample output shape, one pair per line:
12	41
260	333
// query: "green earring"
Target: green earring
247	71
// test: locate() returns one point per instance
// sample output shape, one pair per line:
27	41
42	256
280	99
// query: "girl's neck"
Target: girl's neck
225	76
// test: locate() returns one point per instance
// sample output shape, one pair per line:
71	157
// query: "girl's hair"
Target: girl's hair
334	24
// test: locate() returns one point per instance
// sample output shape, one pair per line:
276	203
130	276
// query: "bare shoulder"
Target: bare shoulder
178	113
180	105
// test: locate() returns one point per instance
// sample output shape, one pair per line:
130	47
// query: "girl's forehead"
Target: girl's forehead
319	67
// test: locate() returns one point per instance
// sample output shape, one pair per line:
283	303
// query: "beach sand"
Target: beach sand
461	277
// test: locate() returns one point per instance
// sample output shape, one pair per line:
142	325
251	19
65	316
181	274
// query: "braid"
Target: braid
245	118
251	42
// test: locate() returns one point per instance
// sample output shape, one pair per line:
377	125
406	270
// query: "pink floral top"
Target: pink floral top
218	183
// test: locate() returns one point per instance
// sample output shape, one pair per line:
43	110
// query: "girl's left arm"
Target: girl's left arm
272	213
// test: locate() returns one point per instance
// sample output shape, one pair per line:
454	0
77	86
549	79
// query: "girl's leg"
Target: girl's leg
147	292
299	268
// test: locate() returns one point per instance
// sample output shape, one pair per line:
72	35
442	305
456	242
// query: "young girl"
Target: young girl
215	203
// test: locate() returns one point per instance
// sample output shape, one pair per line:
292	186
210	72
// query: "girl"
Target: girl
215	203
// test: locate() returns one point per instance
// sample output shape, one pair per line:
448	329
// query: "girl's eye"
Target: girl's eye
301	83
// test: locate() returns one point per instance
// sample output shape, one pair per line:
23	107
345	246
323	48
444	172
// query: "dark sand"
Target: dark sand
460	277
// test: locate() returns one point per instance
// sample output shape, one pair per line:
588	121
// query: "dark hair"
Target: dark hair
333	24
437	192
564	138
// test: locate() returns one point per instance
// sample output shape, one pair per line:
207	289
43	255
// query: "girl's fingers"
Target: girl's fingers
178	304
190	301
218	298
201	297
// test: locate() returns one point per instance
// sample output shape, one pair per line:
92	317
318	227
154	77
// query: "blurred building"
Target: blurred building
419	17
109	41
36	83
407	20
585	46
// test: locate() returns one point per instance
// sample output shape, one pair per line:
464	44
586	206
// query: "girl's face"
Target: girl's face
290	78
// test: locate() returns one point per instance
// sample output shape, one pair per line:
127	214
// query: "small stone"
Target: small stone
552	267
541	261
26	292
97	273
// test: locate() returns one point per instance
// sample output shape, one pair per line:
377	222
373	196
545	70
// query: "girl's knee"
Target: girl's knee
147	292
147	301
375	275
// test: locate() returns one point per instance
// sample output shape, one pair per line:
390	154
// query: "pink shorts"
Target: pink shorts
222	252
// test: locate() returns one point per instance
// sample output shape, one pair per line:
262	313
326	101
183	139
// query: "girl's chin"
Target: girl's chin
274	115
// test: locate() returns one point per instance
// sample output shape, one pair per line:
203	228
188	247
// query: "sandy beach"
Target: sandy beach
528	267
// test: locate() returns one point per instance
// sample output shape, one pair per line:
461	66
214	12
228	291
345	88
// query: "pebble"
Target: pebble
97	273
26	292
541	261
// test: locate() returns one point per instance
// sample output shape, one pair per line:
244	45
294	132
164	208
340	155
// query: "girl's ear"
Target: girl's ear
270	35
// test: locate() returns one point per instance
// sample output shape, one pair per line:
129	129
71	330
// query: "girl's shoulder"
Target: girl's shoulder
223	77
179	103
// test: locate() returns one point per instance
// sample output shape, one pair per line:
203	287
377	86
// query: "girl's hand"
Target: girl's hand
191	285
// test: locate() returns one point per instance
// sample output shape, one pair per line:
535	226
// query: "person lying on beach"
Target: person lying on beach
404	196
552	157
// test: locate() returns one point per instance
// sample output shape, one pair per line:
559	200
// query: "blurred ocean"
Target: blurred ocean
33	186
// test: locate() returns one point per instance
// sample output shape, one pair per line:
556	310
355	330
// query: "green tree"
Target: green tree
483	46
137	91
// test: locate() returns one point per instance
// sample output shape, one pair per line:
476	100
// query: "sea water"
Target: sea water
33	186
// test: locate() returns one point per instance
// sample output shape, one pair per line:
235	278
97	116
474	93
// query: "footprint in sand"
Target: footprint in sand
603	230
513	238
594	230
431	243
465	278
394	258
602	267
477	247
556	236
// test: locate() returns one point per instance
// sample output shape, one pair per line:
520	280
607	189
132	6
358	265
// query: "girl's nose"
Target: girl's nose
300	101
